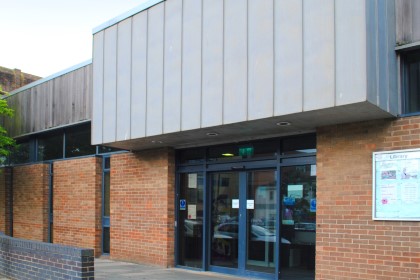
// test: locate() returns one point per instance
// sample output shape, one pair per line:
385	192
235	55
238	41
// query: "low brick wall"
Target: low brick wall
25	259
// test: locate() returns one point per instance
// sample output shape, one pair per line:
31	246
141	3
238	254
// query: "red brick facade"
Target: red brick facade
142	207
3	201
350	245
77	203
30	202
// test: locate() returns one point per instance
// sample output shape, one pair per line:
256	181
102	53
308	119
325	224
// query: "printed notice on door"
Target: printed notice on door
396	185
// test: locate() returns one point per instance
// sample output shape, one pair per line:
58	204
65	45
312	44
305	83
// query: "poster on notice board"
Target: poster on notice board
396	185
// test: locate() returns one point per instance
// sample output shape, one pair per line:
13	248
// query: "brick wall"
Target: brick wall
3	200
77	203
24	259
142	207
30	202
350	245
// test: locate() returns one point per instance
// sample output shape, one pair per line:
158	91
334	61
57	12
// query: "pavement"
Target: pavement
114	270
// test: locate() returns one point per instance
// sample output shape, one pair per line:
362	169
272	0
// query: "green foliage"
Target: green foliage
6	143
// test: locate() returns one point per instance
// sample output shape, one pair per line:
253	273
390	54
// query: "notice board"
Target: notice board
396	185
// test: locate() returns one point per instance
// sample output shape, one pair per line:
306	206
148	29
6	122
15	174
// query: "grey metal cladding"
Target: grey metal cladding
212	64
154	89
110	85
98	82
288	68
172	70
124	80
138	75
381	57
52	102
203	63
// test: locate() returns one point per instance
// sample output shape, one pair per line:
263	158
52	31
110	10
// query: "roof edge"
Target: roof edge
146	5
53	76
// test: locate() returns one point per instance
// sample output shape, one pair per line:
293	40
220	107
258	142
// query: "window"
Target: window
411	82
50	146
78	142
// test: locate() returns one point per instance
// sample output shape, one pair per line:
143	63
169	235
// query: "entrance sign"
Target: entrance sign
182	204
396	185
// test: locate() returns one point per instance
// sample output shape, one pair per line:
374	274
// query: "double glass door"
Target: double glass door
246	222
243	220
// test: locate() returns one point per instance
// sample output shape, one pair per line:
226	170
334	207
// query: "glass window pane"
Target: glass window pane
261	221
78	142
106	240
104	150
412	85
224	227
107	184
21	153
191	156
190	222
299	146
298	218
244	151
50	146
107	163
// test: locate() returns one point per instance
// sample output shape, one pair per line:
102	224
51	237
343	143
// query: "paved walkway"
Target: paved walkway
113	270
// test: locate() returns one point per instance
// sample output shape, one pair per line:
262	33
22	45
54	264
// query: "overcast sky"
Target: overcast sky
42	37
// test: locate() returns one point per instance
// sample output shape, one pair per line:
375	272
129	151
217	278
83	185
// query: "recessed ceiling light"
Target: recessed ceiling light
283	123
212	133
228	155
157	142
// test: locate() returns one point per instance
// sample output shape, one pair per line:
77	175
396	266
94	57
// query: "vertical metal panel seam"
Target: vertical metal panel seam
147	61
201	66
163	71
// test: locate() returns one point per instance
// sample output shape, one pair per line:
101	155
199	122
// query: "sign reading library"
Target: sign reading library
396	185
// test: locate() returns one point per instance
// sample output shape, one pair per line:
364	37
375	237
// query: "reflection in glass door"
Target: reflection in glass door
298	209
261	220
190	220
243	220
224	219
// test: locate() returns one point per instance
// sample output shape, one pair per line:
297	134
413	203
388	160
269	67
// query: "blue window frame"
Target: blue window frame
411	83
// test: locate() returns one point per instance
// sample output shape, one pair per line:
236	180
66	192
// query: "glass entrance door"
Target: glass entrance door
243	220
224	219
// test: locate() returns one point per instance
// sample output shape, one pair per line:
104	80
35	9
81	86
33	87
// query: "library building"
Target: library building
266	139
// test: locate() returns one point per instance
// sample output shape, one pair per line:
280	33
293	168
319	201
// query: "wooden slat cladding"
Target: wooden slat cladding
408	21
63	100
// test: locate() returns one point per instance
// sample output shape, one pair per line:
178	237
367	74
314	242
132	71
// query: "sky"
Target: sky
43	37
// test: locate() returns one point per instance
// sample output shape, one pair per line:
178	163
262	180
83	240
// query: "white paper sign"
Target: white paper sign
192	211
192	180
235	203
313	170
250	204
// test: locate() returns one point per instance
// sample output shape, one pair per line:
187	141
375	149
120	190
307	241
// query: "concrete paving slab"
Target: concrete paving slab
114	270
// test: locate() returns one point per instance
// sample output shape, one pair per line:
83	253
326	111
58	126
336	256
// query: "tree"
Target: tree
6	143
